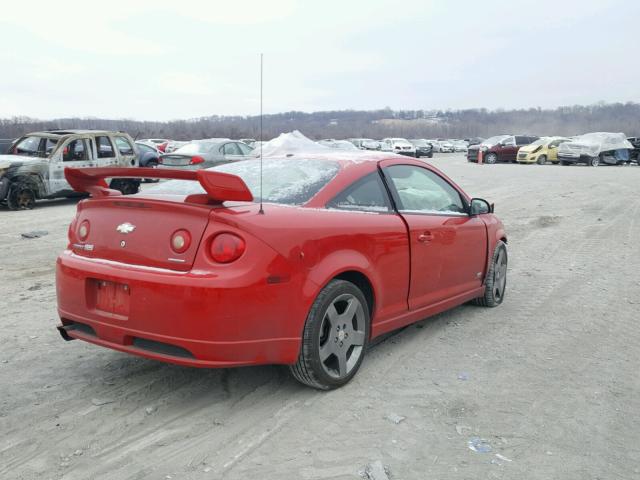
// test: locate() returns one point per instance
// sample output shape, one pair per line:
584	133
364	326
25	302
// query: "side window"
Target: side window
244	149
231	149
509	141
367	194
522	140
75	151
422	191
124	147
104	147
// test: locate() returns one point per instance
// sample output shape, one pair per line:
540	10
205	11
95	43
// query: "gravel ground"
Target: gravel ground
548	382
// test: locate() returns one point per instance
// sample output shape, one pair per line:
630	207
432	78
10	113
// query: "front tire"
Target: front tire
335	337
491	158
496	281
594	161
21	197
542	160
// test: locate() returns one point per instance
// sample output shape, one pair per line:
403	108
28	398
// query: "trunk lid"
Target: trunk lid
176	160
138	231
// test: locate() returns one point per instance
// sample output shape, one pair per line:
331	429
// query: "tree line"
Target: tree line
569	120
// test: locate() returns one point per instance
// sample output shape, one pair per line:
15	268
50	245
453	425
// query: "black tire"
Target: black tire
21	196
126	187
542	160
320	337
563	163
496	281
491	158
594	161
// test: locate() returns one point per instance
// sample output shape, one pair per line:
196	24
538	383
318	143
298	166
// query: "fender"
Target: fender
334	264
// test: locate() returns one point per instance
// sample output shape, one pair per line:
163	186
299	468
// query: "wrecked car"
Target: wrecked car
595	149
33	167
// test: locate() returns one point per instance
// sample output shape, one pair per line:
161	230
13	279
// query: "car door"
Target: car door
507	150
73	153
231	152
448	246
105	152
126	151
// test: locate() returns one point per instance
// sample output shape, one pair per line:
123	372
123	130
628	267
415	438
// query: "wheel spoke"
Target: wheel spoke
327	350
350	311
332	315
342	362
356	338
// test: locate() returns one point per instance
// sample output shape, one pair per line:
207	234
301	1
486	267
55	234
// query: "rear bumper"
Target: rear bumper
190	318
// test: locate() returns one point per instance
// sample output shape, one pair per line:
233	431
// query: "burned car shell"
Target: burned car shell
25	178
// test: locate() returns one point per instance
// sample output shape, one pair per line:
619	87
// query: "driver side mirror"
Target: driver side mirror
480	206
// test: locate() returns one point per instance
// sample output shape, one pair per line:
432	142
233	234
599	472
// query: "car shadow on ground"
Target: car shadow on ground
134	380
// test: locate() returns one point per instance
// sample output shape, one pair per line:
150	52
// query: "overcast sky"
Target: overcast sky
160	60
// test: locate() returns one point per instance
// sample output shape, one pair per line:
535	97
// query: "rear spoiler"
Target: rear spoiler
219	186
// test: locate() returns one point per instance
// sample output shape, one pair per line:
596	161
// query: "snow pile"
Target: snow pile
292	143
592	144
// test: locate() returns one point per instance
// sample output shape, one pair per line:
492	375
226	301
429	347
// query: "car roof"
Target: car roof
62	133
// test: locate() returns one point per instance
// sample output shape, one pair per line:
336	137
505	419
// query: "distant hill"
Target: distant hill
616	117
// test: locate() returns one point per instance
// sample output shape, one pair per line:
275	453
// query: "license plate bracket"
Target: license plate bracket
111	297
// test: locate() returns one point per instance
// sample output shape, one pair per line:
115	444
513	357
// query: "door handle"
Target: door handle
425	237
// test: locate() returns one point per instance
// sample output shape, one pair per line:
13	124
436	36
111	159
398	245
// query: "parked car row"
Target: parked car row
591	148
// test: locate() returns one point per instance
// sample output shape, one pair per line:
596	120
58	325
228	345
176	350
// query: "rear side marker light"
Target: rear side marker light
227	247
83	230
180	241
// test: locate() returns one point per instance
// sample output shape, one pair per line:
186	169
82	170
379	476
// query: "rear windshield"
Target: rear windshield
196	147
285	181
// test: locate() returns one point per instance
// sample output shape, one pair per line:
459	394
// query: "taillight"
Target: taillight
196	159
227	247
83	230
180	241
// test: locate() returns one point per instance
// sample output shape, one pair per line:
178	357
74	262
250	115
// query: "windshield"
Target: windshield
196	147
286	181
495	140
419	143
540	141
35	146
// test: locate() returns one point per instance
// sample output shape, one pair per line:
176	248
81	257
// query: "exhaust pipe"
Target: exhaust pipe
63	332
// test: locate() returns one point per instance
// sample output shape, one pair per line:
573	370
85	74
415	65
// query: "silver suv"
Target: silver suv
33	167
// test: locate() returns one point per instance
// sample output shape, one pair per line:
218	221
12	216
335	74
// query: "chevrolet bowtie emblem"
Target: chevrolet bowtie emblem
125	228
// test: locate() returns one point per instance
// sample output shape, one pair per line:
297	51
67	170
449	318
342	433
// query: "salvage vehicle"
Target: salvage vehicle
634	154
398	145
201	154
423	147
34	166
210	269
543	150
365	143
595	149
501	148
338	144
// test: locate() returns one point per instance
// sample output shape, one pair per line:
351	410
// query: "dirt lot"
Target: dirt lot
549	380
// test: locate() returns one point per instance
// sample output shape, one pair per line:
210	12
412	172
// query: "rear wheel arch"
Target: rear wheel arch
361	281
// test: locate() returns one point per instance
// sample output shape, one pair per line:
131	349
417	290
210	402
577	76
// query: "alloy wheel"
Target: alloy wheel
342	336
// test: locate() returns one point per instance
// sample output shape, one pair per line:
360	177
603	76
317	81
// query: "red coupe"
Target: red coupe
196	271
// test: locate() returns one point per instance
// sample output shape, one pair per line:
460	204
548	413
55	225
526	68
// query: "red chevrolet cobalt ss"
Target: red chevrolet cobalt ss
201	271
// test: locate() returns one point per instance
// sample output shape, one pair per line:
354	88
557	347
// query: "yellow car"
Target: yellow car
541	151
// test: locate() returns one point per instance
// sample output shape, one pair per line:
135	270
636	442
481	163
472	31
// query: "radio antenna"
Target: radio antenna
261	211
